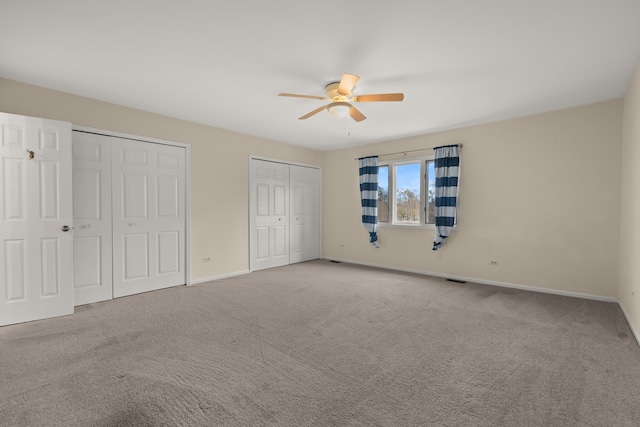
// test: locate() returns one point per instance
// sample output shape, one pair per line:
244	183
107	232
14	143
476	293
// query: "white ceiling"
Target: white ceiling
222	63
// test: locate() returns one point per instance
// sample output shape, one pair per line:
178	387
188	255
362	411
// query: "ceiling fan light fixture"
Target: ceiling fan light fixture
339	109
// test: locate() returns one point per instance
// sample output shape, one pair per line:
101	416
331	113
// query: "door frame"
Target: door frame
187	148
251	201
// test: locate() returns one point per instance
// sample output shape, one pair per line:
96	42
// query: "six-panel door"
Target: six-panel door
149	223
269	234
36	209
305	213
92	273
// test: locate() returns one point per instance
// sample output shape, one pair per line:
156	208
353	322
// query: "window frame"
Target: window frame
392	192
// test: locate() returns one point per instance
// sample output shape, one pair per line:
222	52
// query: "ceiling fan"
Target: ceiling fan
339	93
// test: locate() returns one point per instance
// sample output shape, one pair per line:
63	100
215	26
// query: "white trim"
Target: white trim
284	162
405	226
187	201
633	330
222	276
417	226
484	282
141	138
187	153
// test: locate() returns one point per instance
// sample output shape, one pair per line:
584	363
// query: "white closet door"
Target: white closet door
92	272
36	273
305	213
148	216
269	214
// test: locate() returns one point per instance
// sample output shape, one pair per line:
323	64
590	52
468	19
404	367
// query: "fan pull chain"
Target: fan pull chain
348	127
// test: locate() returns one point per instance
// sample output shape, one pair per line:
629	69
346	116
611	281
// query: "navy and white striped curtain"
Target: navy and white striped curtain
369	196
446	167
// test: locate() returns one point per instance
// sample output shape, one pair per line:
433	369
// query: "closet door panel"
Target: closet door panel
92	279
269	214
168	196
134	196
262	244
135	256
168	252
305	213
149	216
88	266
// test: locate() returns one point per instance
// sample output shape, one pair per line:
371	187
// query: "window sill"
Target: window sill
407	226
412	226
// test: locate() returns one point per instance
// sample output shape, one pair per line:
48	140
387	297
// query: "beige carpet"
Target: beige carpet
325	344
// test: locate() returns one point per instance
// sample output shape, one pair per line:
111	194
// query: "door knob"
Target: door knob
65	228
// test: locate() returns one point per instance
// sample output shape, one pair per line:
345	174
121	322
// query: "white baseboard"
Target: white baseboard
222	276
633	330
484	282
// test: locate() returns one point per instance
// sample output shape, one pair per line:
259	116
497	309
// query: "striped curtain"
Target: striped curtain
369	196
446	165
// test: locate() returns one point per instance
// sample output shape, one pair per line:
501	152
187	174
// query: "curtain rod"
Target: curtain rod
407	151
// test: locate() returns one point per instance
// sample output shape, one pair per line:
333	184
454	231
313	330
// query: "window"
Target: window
406	193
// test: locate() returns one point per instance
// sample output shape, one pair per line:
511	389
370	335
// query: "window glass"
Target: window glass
431	193
383	194
408	193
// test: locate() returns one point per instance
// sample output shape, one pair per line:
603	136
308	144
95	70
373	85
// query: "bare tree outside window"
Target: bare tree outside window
431	193
408	193
383	194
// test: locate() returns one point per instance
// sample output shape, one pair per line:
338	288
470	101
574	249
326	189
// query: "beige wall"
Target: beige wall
219	166
555	229
629	290
540	194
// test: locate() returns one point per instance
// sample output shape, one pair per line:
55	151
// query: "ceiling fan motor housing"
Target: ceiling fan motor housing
331	91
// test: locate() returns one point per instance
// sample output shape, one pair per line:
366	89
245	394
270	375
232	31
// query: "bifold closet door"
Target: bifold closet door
284	214
148	216
36	243
269	214
92	275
